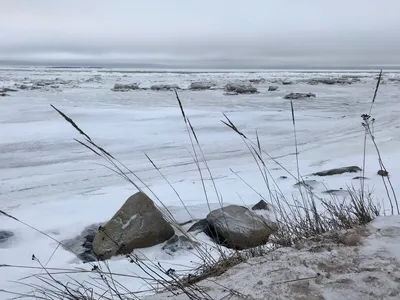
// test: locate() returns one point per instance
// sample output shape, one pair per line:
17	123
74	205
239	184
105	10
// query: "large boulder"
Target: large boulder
240	88
238	227
299	95
164	87
137	224
119	87
198	86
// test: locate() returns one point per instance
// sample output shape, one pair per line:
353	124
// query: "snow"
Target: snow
321	270
50	182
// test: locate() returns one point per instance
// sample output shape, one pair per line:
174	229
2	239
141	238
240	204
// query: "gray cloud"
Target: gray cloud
206	32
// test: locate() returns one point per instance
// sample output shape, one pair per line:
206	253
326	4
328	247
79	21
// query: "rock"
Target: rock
164	87
283	177
7	90
351	239
261	205
119	87
351	169
200	225
82	245
272	88
341	193
24	87
198	86
299	95
5	236
311	184
178	242
331	81
287	82
95	78
137	224
4	95
383	173
257	81
240	88
238	227
360	177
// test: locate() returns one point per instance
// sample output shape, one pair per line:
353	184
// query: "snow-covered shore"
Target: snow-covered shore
322	268
52	183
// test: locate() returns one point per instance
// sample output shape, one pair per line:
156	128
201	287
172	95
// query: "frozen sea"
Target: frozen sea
52	183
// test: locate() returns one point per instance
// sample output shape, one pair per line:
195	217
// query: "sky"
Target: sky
201	33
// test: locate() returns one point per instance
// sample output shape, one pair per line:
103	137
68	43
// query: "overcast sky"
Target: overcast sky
201	32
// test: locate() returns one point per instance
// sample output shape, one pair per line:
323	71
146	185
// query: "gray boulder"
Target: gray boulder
272	88
240	88
351	169
4	95
119	87
5	236
299	95
198	86
164	87
137	224
178	242
238	227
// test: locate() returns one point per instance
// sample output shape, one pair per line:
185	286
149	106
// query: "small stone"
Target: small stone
272	88
287	82
260	282
352	239
178	242
350	169
261	205
383	173
5	235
